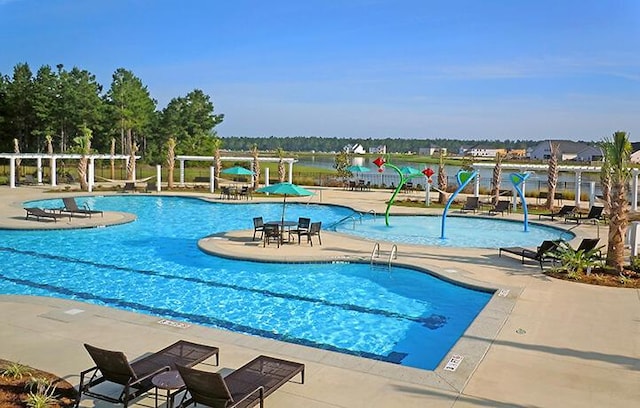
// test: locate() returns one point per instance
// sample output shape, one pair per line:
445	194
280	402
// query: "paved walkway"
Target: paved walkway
547	343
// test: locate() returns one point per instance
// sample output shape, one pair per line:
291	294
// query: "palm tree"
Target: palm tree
255	167
617	154
171	160
131	164
83	146
281	171
217	161
552	175
112	161
49	140
442	181
495	179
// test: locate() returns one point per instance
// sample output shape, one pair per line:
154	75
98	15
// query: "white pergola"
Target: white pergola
54	160
577	170
183	159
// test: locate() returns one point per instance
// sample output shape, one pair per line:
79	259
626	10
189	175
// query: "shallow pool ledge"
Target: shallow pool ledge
18	221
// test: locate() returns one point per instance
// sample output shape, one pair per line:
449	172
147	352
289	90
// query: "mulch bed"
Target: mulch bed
13	392
602	277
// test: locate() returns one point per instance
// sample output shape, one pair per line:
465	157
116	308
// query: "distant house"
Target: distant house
567	150
382	149
484	151
517	153
355	148
635	152
432	151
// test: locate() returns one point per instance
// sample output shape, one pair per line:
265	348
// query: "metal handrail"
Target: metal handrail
375	253
393	254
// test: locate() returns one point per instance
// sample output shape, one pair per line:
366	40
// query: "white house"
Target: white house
568	150
355	148
484	151
382	149
432	151
635	152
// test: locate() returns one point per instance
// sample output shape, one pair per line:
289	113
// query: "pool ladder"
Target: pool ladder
375	253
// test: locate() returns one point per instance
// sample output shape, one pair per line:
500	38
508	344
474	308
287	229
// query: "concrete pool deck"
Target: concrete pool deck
547	343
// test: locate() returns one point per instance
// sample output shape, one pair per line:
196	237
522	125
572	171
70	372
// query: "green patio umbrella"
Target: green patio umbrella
286	189
410	171
237	171
358	169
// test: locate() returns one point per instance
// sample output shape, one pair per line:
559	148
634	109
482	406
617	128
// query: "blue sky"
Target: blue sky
460	69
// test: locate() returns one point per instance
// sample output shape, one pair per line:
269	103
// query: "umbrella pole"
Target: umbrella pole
284	204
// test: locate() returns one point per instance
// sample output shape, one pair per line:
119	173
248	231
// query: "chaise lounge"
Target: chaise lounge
565	211
246	387
135	377
596	213
541	254
40	213
71	207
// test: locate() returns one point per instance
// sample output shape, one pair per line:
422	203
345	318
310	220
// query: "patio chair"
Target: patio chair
542	254
596	213
151	187
314	229
129	186
135	377
500	207
246	387
472	204
258	226
303	225
40	213
565	211
271	232
71	207
245	193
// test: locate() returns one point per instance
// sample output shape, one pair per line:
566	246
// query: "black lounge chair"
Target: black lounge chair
542	254
135	377
40	213
596	213
565	211
500	207
71	207
472	204
246	387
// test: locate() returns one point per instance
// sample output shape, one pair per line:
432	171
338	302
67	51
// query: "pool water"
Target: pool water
153	266
468	232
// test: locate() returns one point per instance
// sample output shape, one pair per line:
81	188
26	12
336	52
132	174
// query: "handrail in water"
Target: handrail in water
393	254
375	253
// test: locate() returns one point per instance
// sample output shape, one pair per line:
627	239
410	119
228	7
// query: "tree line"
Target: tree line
61	104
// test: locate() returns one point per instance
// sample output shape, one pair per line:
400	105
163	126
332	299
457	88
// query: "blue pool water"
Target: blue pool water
467	232
153	266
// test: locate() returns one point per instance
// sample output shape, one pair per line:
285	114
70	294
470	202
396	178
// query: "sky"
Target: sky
450	69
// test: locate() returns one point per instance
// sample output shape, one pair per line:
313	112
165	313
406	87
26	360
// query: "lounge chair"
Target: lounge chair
129	186
135	377
151	187
258	226
595	214
314	229
565	211
472	204
40	213
500	207
246	387
71	207
542	254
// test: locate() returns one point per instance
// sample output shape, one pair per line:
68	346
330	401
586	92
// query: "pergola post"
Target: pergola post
212	179
12	172
91	174
578	191
39	170
634	192
158	177
592	193
54	171
181	173
290	172
266	176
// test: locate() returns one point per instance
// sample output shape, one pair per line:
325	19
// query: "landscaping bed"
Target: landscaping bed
22	387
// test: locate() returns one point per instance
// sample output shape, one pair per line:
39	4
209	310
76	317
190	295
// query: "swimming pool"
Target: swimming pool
467	232
153	266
